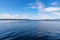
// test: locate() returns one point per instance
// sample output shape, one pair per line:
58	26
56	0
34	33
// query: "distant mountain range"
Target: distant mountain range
35	20
49	19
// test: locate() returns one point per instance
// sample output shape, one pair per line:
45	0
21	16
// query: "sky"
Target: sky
29	9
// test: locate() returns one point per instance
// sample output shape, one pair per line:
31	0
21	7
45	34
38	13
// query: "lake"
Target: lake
29	30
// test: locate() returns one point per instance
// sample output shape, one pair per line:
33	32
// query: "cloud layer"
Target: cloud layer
50	12
9	16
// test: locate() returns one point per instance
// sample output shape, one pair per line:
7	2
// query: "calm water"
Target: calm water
29	30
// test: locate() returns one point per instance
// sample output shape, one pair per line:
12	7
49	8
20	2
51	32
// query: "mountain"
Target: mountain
49	20
34	20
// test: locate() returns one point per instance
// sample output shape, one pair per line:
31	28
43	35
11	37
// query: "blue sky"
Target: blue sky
30	9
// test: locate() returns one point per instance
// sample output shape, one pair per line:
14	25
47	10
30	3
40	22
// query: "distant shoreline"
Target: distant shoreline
33	20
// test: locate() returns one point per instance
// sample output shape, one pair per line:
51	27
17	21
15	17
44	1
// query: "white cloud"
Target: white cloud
57	15
51	9
32	7
36	5
9	16
40	5
43	16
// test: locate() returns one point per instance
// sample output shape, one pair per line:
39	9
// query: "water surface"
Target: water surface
29	30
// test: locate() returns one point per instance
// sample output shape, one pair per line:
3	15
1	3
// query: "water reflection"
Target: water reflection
50	29
29	30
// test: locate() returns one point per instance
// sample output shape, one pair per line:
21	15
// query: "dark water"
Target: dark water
29	30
